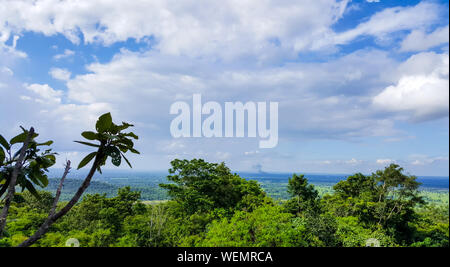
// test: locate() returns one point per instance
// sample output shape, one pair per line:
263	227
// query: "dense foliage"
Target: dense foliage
210	206
36	163
26	167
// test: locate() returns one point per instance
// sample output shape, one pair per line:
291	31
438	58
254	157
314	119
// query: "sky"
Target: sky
360	84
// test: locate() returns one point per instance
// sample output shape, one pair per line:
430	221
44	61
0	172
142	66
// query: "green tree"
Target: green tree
351	233
356	186
304	195
266	226
112	143
199	186
355	196
432	227
385	200
26	167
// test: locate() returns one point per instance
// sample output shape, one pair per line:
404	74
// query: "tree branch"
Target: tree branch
13	181
52	219
58	191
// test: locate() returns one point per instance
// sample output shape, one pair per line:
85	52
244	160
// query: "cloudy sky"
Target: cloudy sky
360	84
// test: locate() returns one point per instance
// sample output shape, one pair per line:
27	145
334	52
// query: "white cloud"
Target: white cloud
338	110
422	160
384	161
60	74
226	29
253	152
67	53
392	20
43	107
10	51
419	40
419	95
172	146
319	100
45	93
266	30
7	71
140	86
353	161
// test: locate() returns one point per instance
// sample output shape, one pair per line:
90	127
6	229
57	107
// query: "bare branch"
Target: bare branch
52	219
58	191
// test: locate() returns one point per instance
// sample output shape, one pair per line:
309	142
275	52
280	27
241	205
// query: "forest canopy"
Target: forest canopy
211	206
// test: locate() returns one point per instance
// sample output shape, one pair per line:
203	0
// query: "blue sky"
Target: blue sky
360	84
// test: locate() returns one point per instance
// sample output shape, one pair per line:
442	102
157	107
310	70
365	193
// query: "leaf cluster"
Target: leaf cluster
34	166
112	142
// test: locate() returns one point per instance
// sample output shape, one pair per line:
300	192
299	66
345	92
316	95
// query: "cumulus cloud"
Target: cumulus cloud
353	161
421	160
392	20
60	74
422	92
384	161
226	28
253	152
265	30
140	86
419	40
7	71
67	53
338	110
46	109
217	49
44	93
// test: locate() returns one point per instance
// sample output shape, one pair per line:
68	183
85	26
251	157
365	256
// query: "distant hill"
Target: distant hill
148	192
72	185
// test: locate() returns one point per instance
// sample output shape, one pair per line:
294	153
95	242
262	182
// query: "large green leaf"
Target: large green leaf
38	178
21	138
30	187
4	143
131	134
2	156
48	143
126	160
109	136
51	157
127	142
114	153
89	135
116	160
47	161
86	143
43	180
124	126
134	151
87	159
122	148
104	123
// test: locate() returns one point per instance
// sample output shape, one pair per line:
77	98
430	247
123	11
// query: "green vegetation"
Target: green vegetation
26	167
210	206
278	191
36	163
149	190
